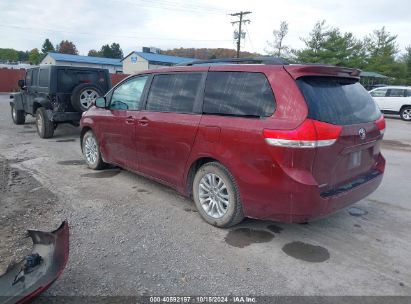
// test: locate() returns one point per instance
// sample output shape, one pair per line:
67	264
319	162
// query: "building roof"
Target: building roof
152	57
85	59
372	74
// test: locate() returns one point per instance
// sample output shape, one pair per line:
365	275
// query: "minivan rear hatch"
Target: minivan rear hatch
340	101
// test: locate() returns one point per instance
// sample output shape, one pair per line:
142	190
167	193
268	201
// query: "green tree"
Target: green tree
9	55
382	49
406	61
106	51
47	47
276	47
23	55
330	46
116	51
93	53
109	51
67	47
34	56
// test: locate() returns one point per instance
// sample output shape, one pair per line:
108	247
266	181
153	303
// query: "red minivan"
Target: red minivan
263	139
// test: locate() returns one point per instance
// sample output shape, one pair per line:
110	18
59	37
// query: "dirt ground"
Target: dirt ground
25	203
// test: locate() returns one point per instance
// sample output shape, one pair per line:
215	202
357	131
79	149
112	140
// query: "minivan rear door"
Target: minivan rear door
343	102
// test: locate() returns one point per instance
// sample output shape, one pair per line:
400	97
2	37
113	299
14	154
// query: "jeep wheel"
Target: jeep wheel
45	127
18	116
406	113
91	151
84	95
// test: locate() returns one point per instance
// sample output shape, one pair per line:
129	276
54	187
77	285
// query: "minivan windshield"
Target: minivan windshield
339	101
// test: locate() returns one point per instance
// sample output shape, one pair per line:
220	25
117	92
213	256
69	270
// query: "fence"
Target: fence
9	78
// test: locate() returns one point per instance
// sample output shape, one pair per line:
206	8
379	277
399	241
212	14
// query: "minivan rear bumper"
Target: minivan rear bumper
317	207
308	204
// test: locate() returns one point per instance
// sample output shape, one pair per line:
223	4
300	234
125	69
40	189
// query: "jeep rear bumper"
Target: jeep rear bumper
63	116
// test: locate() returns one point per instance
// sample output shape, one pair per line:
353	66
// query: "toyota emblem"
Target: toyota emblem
362	133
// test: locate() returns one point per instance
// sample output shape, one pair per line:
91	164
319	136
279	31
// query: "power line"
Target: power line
104	34
238	35
178	6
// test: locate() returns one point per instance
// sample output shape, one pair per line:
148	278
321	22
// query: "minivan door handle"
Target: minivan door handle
130	120
143	121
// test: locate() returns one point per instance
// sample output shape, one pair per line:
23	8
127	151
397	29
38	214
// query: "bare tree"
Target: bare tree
276	47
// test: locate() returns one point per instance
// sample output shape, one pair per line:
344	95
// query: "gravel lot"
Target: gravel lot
132	236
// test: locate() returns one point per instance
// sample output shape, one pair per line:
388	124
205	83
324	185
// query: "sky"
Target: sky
167	24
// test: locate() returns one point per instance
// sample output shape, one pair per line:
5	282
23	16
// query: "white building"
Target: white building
113	65
149	59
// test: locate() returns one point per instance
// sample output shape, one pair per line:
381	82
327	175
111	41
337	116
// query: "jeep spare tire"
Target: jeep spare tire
84	95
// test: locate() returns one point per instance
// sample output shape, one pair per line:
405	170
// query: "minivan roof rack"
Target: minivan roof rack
247	60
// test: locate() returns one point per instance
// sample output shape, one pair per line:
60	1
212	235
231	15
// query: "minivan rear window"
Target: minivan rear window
238	94
339	101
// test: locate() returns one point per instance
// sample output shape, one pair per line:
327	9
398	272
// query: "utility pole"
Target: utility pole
240	32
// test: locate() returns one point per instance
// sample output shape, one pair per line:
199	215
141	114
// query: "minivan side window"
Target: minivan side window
408	93
396	93
174	92
379	93
238	94
127	96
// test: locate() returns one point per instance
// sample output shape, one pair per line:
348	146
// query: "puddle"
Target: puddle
275	228
102	174
306	252
242	237
189	210
355	211
75	162
66	140
27	132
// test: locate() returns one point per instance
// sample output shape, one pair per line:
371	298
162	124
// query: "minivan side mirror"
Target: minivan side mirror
21	84
100	102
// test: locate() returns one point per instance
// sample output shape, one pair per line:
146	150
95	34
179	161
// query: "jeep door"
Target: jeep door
116	124
168	125
31	90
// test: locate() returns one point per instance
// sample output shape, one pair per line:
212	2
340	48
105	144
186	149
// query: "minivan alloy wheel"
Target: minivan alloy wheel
90	149
213	195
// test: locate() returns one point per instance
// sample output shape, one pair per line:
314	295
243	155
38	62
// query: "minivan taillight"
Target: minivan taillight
380	122
310	134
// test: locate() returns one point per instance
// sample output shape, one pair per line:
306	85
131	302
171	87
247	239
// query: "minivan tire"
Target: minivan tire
77	93
234	211
89	140
18	116
45	127
406	113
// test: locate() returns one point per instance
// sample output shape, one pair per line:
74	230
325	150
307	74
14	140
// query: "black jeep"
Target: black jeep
57	94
